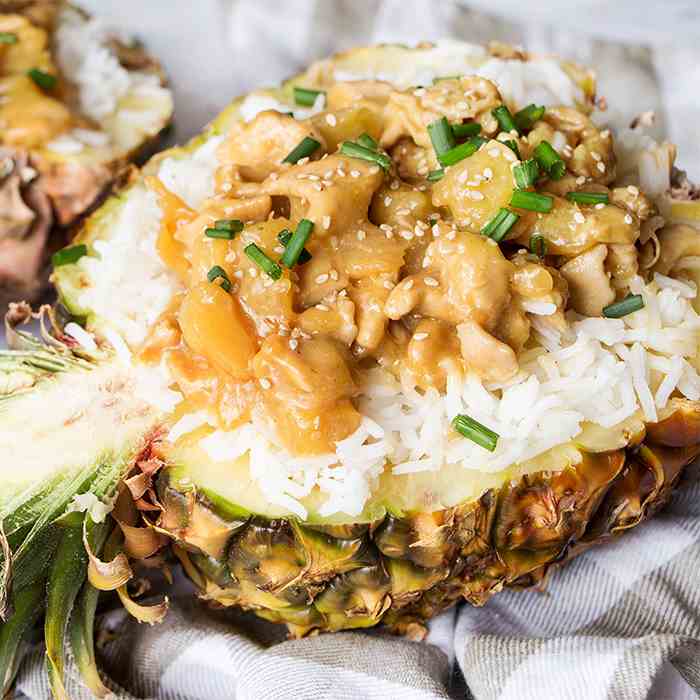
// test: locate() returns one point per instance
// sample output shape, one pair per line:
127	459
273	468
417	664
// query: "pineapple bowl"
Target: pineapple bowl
78	105
406	330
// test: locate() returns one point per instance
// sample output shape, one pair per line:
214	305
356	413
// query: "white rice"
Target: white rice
600	373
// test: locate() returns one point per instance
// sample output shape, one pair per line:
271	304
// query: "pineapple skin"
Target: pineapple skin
401	571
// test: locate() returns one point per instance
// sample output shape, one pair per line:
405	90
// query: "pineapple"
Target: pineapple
105	463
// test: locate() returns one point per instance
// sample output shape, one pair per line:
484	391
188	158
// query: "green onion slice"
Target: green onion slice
224	228
435	175
284	236
532	201
266	264
538	245
218	273
45	81
525	119
513	145
550	160
306	96
499	226
526	173
464	150
296	243
446	77
475	431
504	118
465	131
630	304
441	136
355	150
367	141
68	256
305	148
8	38
588	197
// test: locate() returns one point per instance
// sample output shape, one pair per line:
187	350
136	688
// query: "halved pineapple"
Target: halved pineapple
143	397
79	104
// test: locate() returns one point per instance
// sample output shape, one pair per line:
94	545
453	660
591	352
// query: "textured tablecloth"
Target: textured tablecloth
622	621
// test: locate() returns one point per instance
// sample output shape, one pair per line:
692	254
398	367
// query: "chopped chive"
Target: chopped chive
224	228
218	273
266	264
499	226
306	96
588	197
284	236
538	245
464	131
513	145
303	149
441	136
630	304
475	431
446	77
296	244
435	175
525	119
550	160
504	118
8	38
526	173
464	150
367	141
532	201
355	150
45	81
68	256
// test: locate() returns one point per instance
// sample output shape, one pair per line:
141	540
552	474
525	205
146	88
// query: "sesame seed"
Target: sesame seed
355	173
331	120
419	92
314	178
322	307
279	249
579	218
374	170
386	227
322	278
596	156
431	282
303	161
340	172
408	235
488	173
252	272
477	196
628	219
395	184
420	336
601	167
387	201
494	152
634	191
388	284
293	344
265	383
600	205
361	235
227	187
408	284
581	180
403	212
326	222
334	275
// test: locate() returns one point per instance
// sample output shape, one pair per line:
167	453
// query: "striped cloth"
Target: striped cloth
621	622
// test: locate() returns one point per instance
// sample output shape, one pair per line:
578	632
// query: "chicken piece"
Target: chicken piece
369	295
258	147
589	283
622	264
367	251
571	229
466	278
590	151
634	201
332	318
490	358
334	192
413	162
678	241
433	352
409	113
477	187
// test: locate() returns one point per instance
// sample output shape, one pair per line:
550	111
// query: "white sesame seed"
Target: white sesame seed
408	235
395	184
477	196
628	219
334	275
318	187
279	249
419	92
374	170
387	201
326	222
322	307
601	167
596	156
579	218
313	178
252	271
265	383
634	191
303	161
420	336
431	282
388	284
361	235
386	227
605	133
408	284
488	173
403	212
600	205
331	120
340	172
581	180
322	278
355	173
293	344
494	152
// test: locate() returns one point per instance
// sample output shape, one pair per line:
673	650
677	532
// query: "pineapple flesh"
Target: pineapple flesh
159	352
